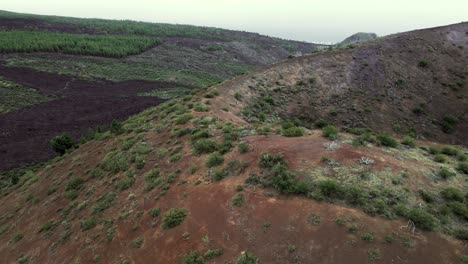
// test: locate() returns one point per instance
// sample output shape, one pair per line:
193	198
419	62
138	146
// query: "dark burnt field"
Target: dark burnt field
80	105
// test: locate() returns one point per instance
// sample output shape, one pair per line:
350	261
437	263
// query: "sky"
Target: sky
325	21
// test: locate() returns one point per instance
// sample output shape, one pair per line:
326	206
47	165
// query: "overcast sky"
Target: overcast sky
308	20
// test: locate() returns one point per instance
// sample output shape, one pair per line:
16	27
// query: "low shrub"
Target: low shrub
193	257
387	141
124	183
329	188
243	148
452	194
422	219
154	212
321	123
408	141
247	258
88	224
205	146
214	159
446	173
174	217
463	167
330	132
104	202
451	151
238	199
62	143
293	132
114	162
441	158
268	160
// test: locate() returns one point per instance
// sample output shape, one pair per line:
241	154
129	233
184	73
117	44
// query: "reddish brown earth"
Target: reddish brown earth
290	238
80	105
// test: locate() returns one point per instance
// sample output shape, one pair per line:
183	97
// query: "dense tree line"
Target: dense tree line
99	45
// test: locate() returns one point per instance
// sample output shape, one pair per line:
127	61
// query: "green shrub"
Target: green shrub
154	212
104	202
434	150
243	148
124	183
218	175
451	151
75	183
427	197
329	187
247	258
183	119
461	156
214	159
115	162
211	253
330	132
452	194
459	209
138	242
17	237
293	132
205	146
441	158
286	182
62	143
71	194
422	219
238	199
408	141
193	258
321	123
116	127
446	173
47	226
174	217
369	237
448	124
239	187
387	141
423	64
463	167
268	160
88	224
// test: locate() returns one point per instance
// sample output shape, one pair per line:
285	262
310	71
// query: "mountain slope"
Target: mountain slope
77	62
194	181
412	82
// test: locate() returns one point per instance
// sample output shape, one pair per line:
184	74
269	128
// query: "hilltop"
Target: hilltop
259	169
71	75
359	37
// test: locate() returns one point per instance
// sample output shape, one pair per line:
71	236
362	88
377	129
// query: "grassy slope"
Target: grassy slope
198	56
14	97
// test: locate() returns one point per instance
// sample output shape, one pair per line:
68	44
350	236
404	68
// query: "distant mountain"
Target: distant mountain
359	37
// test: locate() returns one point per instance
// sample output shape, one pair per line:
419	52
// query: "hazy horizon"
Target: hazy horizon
301	20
